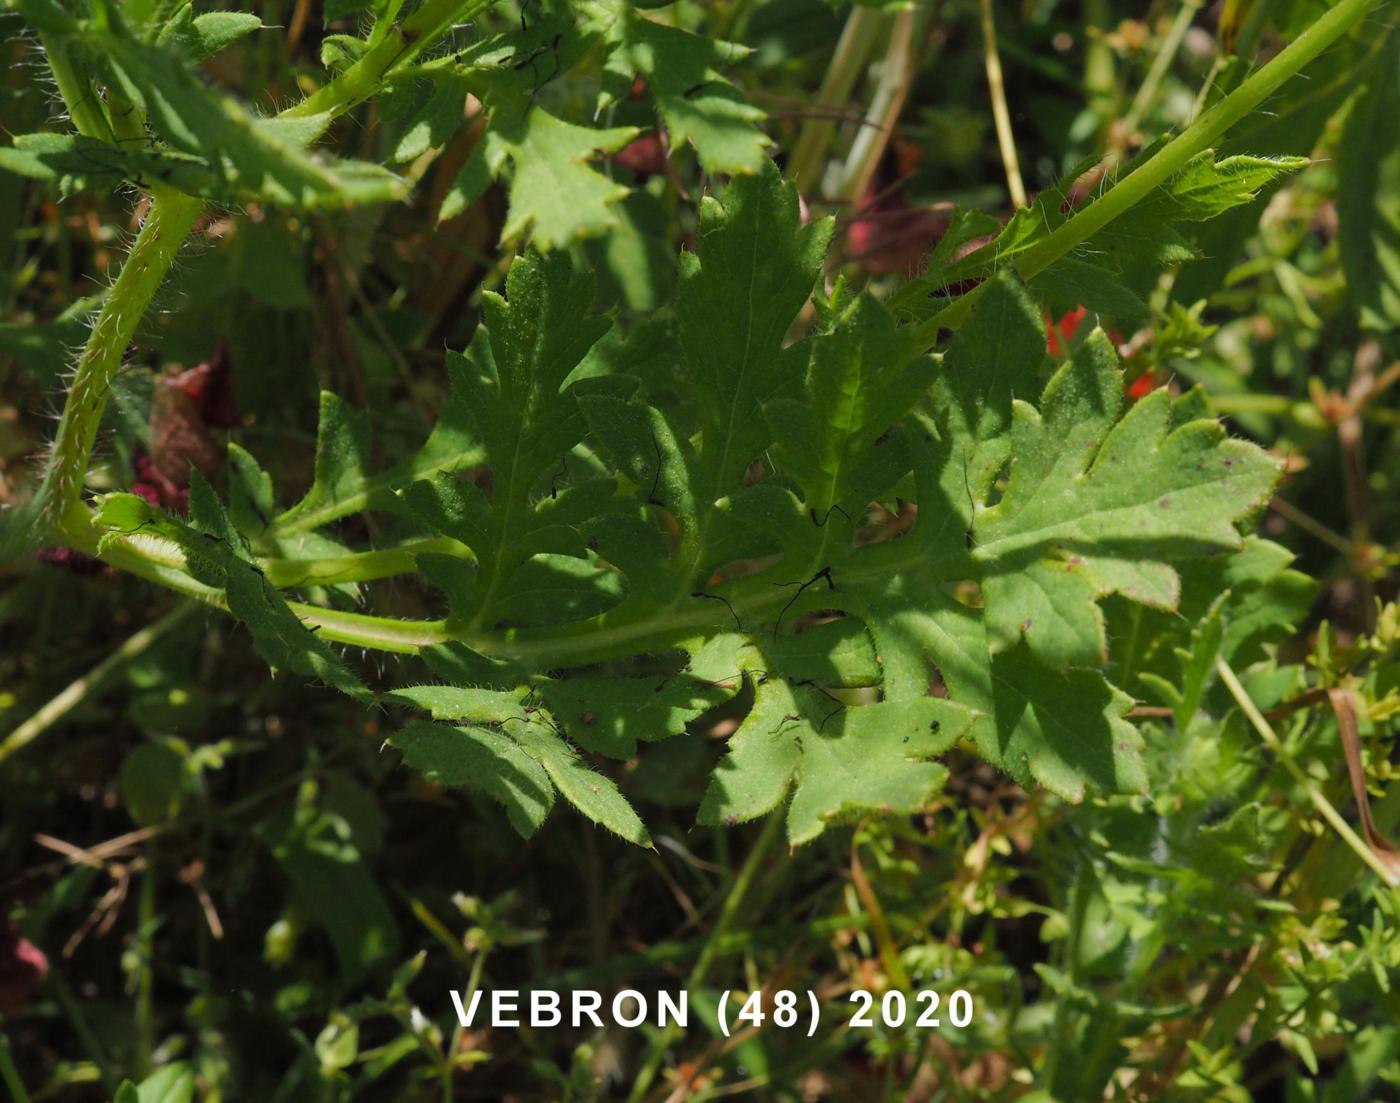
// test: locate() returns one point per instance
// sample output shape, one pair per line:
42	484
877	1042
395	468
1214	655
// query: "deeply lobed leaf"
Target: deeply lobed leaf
751	528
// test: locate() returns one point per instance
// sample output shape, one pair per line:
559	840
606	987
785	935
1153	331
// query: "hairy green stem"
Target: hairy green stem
401	46
84	108
1170	159
1195	139
168	222
624	631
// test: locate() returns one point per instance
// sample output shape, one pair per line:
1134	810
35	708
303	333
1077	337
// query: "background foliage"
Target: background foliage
664	357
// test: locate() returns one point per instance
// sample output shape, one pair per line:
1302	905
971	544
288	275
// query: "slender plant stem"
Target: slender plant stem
734	904
80	689
1319	801
1170	159
1166	53
1305	521
879	925
82	1030
1001	115
885	107
449	1065
863	27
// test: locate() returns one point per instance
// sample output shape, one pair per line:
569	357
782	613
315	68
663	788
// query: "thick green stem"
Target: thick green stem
1170	159
168	222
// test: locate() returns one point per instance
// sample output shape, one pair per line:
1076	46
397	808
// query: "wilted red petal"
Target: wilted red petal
209	386
645	156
